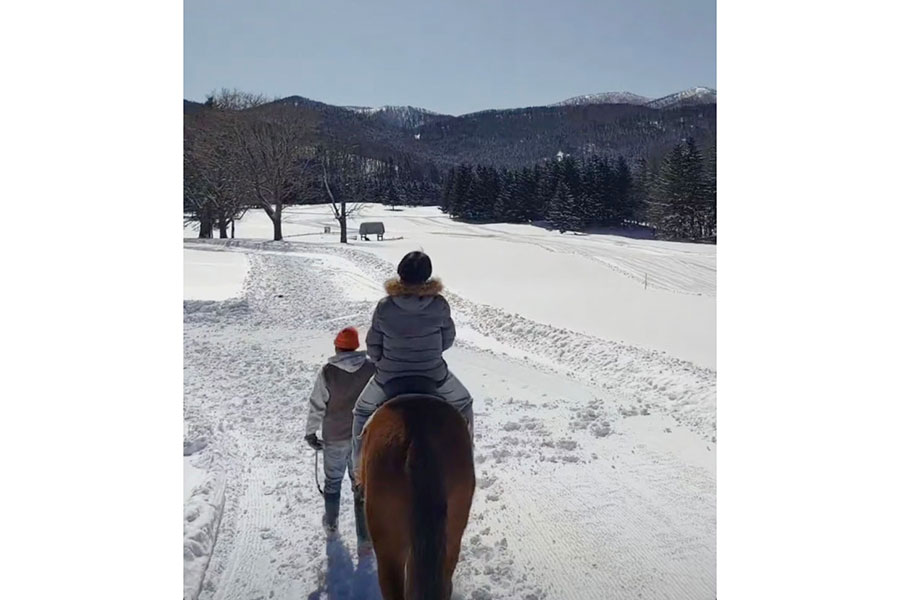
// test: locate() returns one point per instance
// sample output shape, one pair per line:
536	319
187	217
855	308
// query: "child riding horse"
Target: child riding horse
411	329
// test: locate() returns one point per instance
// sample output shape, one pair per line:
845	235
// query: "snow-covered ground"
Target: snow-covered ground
656	295
213	276
595	413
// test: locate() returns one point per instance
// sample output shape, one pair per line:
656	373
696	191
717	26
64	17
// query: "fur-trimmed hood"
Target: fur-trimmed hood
395	288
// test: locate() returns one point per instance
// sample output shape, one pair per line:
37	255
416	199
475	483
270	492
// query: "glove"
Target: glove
313	441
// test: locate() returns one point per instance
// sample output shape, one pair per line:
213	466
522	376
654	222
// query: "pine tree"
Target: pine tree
709	209
641	193
676	192
605	193
562	213
504	210
527	188
546	190
696	188
623	185
393	196
447	192
461	193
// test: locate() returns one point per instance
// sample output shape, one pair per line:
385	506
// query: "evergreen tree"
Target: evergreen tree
606	201
504	209
641	191
447	191
393	196
563	213
527	188
709	209
462	192
546	190
696	188
623	186
681	193
667	194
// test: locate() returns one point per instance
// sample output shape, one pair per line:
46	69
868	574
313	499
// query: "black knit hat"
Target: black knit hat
415	268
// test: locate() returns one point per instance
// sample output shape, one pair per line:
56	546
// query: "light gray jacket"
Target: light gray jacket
411	329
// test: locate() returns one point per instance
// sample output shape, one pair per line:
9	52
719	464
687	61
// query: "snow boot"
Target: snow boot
332	508
359	510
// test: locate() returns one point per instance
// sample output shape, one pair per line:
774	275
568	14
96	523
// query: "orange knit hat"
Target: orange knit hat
347	339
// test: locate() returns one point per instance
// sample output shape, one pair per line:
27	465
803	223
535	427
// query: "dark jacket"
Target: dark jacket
410	330
337	387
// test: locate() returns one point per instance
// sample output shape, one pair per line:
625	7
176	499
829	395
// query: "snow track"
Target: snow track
673	267
595	460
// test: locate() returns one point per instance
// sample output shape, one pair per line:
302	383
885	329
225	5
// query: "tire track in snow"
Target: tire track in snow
682	271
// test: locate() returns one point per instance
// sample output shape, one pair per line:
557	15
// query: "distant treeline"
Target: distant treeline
677	197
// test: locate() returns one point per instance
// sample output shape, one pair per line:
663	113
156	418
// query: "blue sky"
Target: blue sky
452	57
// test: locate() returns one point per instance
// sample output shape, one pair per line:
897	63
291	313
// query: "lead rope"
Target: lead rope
321	493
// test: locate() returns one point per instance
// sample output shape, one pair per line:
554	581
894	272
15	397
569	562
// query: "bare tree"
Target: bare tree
343	180
234	99
275	156
212	185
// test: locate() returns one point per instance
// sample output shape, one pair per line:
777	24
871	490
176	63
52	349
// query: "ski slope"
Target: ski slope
595	454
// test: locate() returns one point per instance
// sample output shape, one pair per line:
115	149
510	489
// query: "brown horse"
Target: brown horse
418	478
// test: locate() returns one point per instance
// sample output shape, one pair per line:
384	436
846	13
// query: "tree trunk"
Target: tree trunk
276	221
232	229
277	224
343	221
223	229
206	227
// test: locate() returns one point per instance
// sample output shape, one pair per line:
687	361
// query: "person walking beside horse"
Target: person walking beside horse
338	385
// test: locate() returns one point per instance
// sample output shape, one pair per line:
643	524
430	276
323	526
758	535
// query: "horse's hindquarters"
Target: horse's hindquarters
419	479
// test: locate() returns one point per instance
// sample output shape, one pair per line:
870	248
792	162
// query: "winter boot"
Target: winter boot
332	508
359	510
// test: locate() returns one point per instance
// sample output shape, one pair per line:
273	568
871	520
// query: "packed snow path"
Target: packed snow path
595	460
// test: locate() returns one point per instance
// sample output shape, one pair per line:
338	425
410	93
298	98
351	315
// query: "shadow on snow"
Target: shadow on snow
343	581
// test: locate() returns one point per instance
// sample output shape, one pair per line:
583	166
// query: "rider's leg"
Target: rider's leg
359	513
455	393
369	399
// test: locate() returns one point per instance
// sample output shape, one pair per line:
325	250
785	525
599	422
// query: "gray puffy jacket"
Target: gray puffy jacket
410	330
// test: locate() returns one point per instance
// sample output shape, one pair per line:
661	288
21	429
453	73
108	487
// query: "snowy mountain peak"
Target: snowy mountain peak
406	117
694	95
605	98
390	108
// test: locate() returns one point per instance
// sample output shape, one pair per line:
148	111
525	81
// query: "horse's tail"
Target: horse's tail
429	513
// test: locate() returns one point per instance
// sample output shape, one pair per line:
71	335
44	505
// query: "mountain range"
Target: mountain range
609	124
411	117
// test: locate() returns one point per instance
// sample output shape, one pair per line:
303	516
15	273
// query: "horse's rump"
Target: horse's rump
419	478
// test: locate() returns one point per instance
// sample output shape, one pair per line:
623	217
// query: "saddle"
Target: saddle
406	386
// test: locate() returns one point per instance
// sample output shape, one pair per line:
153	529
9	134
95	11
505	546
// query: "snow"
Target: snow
694	95
588	283
213	275
193	477
605	98
202	515
595	423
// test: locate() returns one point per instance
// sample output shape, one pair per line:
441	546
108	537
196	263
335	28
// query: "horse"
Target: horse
417	475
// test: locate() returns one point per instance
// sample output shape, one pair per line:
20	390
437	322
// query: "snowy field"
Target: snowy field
591	359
